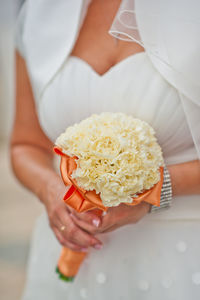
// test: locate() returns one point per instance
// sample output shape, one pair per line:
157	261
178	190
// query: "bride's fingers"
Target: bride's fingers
115	217
107	221
89	217
66	243
87	226
123	215
76	235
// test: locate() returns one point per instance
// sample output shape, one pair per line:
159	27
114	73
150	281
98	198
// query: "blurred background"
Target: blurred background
18	207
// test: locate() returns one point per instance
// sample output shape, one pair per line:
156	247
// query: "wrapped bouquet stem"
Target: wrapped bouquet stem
106	160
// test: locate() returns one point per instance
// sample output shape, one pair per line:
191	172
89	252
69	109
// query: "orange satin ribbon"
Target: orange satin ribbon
82	200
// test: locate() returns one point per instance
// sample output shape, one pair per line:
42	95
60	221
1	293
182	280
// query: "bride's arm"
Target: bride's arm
185	178
30	150
32	162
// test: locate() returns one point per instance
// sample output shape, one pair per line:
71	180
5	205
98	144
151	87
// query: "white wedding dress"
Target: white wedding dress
158	258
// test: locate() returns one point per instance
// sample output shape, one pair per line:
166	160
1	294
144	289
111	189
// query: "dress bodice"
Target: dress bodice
133	86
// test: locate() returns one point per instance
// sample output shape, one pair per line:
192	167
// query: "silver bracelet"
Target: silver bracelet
166	193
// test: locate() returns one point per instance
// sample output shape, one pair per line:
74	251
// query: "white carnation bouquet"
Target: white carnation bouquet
116	155
107	159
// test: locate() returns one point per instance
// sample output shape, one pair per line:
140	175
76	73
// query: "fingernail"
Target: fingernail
84	249
96	222
98	246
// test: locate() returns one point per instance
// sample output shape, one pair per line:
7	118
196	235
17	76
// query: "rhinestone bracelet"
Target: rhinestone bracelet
166	193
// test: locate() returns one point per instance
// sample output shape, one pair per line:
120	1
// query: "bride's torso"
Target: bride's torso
68	89
131	85
100	75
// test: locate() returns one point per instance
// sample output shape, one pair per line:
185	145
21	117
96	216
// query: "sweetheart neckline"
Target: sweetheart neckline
111	69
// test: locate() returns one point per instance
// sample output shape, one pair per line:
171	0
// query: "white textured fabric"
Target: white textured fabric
158	258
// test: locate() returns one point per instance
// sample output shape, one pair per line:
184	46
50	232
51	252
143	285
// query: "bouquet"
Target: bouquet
107	159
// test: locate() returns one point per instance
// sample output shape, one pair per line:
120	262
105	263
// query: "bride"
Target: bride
75	58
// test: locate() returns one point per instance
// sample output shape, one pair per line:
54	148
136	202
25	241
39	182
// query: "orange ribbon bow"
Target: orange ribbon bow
82	200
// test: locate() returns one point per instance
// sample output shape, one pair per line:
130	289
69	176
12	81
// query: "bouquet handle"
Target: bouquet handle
69	263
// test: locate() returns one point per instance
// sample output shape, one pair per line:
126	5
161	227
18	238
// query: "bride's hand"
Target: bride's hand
114	218
67	232
123	215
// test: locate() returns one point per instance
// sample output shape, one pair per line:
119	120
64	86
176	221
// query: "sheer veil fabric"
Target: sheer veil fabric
170	33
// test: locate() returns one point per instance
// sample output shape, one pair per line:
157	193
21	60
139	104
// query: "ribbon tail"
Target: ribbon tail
73	198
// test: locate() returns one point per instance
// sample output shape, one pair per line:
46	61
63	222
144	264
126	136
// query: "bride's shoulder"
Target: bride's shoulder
39	20
45	32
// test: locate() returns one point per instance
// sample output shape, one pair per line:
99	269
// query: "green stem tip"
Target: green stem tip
63	277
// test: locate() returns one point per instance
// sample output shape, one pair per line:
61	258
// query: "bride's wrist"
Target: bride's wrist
50	189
